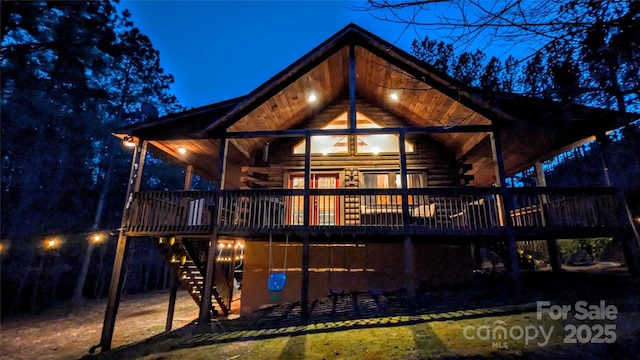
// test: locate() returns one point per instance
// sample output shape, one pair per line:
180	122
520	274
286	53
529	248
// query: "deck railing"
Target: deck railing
445	210
170	212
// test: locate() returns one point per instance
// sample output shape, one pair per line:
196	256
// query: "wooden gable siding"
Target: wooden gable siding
419	103
430	157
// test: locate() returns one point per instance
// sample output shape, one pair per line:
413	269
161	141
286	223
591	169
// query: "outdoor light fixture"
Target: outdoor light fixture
182	150
312	97
50	244
394	96
96	238
128	141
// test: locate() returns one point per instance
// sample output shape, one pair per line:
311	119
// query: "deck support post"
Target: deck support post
409	267
304	289
504	205
629	237
173	292
173	287
304	292
117	274
408	244
552	242
628	234
204	316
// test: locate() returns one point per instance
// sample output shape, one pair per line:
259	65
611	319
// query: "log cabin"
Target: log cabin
358	168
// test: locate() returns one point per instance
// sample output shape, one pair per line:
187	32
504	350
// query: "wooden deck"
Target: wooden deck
462	211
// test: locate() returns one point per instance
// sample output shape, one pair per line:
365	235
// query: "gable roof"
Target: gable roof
427	97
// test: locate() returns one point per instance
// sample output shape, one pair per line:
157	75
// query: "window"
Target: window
380	180
365	144
327	144
378	143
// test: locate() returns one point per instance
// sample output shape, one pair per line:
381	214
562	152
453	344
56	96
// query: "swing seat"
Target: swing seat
277	281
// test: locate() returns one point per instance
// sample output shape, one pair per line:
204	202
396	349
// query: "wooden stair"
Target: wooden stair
190	272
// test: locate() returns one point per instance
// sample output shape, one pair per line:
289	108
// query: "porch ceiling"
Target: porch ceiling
419	103
531	129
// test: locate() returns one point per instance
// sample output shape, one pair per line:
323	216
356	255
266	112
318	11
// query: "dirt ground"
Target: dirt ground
68	333
360	327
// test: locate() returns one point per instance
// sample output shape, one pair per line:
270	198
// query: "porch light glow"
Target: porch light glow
128	141
182	150
394	96
96	238
375	150
312	97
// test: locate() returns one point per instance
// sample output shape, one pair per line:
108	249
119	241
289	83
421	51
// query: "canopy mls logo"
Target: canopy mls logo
499	333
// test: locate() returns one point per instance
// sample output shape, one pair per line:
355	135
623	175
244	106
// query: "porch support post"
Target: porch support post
403	180
504	204
408	244
304	290
604	144
188	177
552	242
205	301
117	275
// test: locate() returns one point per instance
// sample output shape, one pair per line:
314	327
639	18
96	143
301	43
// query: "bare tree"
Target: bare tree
601	37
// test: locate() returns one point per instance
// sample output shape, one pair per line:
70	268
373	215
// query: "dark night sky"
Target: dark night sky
222	49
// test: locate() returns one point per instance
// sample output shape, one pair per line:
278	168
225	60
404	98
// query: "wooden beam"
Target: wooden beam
117	274
504	205
409	266
304	291
173	292
360	131
188	177
205	302
243	150
403	180
222	161
352	88
604	144
552	242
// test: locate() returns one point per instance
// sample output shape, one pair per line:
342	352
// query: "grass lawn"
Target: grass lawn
452	323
